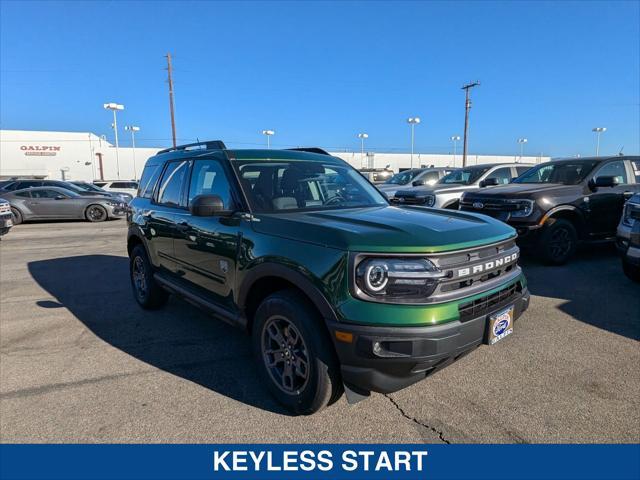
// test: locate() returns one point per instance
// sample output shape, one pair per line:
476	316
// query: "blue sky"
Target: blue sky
320	72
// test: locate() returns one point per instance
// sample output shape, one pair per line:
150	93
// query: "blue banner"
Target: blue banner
413	461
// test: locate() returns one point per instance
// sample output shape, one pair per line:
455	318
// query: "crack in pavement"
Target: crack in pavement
414	420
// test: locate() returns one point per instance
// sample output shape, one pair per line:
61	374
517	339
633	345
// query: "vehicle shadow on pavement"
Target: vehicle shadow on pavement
178	338
594	288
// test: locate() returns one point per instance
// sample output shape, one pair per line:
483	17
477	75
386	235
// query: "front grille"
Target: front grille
410	200
488	303
489	205
462	268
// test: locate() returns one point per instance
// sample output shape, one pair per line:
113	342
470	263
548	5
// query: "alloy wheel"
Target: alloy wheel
96	213
560	243
285	355
139	277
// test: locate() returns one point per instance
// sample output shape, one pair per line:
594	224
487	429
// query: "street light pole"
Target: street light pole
133	130
522	141
114	107
268	134
413	121
467	107
598	131
455	139
362	137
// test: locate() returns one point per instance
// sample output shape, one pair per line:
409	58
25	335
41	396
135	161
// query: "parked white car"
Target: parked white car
127	186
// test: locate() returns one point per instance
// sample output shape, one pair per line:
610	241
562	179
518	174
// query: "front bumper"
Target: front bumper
117	211
405	355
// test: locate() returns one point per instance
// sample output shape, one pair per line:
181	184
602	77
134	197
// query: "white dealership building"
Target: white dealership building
87	156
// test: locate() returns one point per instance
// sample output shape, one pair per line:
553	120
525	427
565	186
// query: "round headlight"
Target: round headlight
376	277
403	279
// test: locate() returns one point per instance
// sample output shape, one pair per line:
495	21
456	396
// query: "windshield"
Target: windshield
567	173
281	185
464	176
403	178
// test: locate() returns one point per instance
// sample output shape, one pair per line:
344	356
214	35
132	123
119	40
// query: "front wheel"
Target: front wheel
558	242
16	216
294	353
96	213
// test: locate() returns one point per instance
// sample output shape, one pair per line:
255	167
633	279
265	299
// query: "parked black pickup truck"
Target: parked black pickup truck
558	204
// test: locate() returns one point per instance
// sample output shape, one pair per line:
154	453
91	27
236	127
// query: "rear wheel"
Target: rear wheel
558	242
294	353
16	216
631	271
96	213
146	290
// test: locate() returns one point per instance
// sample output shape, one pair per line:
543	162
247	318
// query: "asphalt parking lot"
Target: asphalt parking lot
80	362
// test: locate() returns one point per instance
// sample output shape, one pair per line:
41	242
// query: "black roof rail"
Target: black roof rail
207	145
310	150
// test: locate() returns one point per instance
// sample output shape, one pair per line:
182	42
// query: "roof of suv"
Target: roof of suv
310	154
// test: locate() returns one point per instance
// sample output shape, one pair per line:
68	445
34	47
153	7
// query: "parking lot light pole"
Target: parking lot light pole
455	139
268	134
413	121
114	107
522	141
362	137
133	131
598	131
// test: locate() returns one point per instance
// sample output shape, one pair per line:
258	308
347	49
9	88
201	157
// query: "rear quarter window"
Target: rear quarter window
148	181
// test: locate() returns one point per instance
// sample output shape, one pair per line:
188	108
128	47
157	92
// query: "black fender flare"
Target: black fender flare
270	269
135	231
564	208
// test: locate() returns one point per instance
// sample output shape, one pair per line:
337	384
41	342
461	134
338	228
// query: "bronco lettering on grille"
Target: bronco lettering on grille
483	267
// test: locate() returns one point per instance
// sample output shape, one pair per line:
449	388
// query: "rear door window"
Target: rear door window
172	182
44	193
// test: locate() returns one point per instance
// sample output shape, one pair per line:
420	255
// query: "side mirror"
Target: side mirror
635	213
605	182
418	183
489	182
208	206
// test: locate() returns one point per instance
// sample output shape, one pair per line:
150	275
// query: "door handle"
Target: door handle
182	227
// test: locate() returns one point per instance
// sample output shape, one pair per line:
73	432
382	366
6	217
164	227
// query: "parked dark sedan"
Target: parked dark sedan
54	203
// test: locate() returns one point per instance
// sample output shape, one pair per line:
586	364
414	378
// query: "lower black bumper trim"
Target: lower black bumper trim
387	359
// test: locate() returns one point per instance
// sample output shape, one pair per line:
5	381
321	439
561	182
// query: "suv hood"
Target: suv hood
528	190
386	229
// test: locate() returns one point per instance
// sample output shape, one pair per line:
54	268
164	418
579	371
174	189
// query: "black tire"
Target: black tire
558	242
631	271
96	213
146	290
16	216
306	342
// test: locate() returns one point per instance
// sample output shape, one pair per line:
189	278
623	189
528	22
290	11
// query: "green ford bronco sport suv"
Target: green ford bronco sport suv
338	289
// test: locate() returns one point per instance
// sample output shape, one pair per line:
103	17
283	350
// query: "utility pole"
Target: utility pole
467	107
170	79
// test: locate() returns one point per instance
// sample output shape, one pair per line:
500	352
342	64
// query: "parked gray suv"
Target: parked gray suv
414	177
447	191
